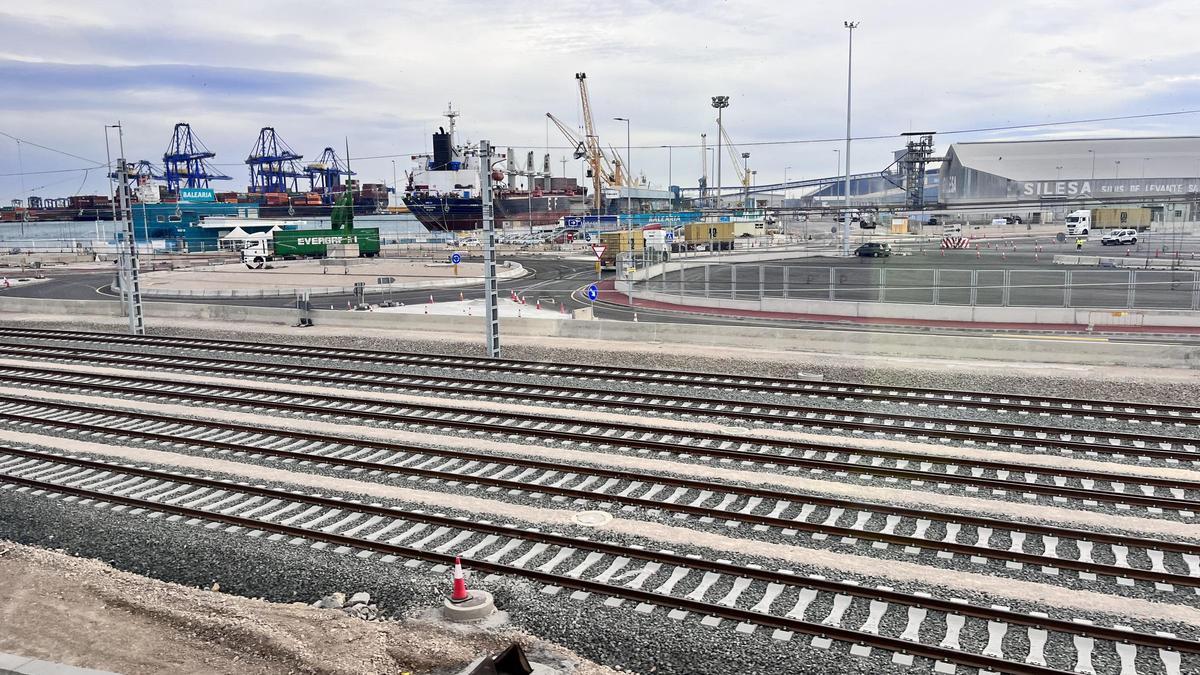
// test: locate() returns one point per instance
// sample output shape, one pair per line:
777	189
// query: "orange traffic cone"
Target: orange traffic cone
538	306
1004	255
562	306
977	253
461	297
460	592
1127	252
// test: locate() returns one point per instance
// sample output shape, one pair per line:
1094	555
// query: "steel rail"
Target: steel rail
766	493
1069	627
1023	402
655	445
765	413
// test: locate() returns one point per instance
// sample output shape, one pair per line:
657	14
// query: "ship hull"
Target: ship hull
460	214
538	210
446	214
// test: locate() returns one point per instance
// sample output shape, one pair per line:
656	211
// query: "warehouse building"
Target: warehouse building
1151	171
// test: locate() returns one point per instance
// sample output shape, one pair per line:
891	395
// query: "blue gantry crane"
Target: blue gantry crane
272	163
325	175
185	163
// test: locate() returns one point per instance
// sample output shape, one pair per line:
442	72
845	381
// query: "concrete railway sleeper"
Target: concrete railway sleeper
1093	441
1164	563
1153	493
714	590
1126	410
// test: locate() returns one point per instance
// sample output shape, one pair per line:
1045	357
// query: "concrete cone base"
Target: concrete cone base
478	606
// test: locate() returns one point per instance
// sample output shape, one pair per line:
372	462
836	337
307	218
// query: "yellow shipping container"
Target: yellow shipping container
702	233
616	243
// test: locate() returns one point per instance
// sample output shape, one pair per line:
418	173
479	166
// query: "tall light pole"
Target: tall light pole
628	175
1059	168
785	188
1116	168
838	151
395	188
746	179
720	103
1093	154
850	26
1144	160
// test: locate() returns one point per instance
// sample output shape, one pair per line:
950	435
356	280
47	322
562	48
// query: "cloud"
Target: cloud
382	72
42	79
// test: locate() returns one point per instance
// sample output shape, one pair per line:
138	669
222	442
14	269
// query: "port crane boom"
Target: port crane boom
602	170
742	174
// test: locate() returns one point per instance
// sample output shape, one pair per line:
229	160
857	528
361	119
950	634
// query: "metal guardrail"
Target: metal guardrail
1072	288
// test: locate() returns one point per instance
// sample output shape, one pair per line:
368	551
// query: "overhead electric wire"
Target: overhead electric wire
44	147
803	141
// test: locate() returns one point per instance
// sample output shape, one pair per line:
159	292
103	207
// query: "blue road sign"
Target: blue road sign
455	258
593	292
670	237
573	221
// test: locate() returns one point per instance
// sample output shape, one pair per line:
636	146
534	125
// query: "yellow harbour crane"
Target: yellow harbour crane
742	172
603	171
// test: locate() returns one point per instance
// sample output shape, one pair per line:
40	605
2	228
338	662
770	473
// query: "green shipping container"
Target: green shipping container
311	243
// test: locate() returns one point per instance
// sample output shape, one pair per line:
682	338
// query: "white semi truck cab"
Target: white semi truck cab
257	253
1079	223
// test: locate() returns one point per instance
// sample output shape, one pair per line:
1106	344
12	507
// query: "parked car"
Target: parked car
873	249
866	225
1118	237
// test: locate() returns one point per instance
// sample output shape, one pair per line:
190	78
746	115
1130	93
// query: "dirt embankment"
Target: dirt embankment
82	612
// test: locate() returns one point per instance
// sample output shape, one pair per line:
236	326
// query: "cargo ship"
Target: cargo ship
443	190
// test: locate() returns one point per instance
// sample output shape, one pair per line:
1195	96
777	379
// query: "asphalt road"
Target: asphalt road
550	278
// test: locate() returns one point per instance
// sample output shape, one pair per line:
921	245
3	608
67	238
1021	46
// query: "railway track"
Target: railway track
1136	412
948	631
1118	558
979	477
1091	442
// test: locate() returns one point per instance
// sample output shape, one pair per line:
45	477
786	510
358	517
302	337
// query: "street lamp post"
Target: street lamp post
628	195
395	188
1059	168
1116	168
785	188
838	151
746	180
720	103
1093	154
850	26
1144	160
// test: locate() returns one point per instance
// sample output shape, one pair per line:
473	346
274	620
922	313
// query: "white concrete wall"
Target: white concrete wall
895	310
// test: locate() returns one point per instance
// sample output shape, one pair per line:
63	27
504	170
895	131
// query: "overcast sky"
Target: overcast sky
381	73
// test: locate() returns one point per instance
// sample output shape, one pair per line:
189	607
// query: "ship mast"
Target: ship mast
450	114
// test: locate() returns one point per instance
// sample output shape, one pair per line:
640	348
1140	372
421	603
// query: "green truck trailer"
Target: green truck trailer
314	243
308	244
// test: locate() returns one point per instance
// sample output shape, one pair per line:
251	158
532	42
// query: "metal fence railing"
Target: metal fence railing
1078	288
